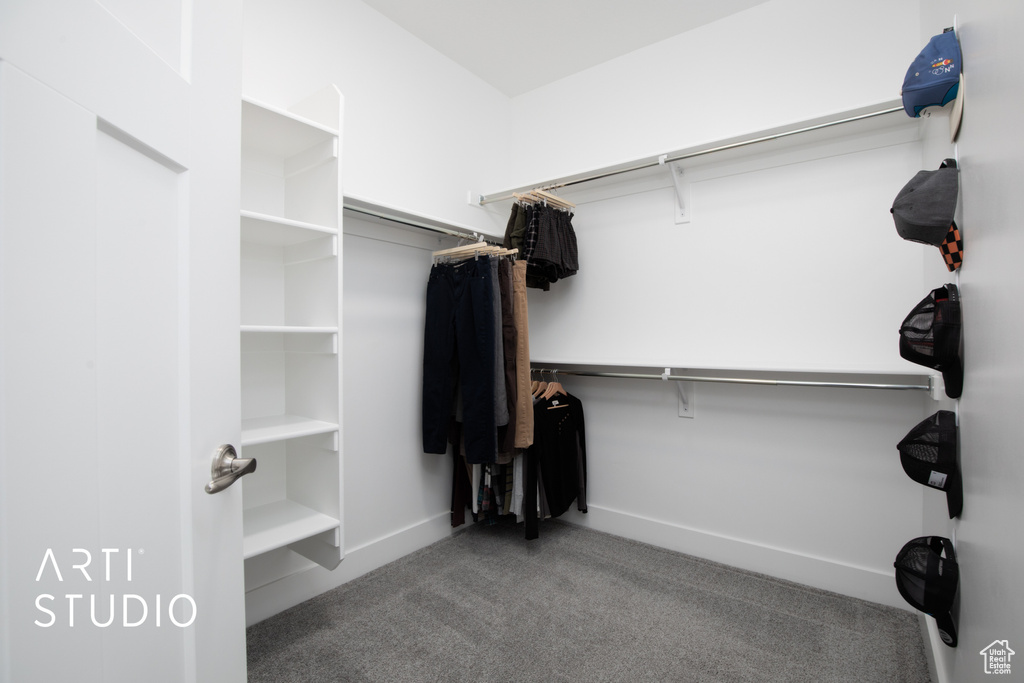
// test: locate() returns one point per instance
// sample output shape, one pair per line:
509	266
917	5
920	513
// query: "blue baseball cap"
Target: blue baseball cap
933	79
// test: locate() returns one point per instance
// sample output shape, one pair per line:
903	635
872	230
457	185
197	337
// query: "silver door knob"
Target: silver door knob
227	467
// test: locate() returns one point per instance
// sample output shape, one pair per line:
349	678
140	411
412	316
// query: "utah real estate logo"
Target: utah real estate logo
997	657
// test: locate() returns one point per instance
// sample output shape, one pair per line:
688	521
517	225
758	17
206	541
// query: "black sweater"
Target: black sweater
559	453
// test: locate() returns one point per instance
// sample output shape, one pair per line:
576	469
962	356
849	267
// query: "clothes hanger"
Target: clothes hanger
554	387
471	250
481	247
540	386
553	199
535	386
538	196
547	385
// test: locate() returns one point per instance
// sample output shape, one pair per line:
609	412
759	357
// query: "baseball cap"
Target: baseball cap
930	336
927	577
928	455
923	211
933	79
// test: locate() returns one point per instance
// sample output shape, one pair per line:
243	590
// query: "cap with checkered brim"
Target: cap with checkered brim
952	248
930	336
923	211
927	576
928	455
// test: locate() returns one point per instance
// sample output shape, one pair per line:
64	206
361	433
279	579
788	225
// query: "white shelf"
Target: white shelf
259	430
290	340
375	210
861	119
289	329
281	523
279	132
260	228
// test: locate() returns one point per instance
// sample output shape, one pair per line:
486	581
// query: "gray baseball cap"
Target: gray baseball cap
923	211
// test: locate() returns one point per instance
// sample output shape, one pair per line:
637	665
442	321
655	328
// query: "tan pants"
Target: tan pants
524	399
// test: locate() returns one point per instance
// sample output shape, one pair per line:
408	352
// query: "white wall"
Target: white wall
420	130
390	483
991	154
796	482
789	262
778	62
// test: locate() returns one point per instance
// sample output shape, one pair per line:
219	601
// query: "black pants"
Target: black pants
459	341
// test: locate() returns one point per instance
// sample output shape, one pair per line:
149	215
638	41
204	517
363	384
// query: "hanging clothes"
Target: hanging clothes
557	460
509	343
541	482
555	255
524	399
476	353
546	240
511	456
460	346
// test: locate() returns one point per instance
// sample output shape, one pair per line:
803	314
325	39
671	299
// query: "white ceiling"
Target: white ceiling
519	45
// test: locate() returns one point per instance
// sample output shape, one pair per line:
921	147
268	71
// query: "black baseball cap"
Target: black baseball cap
927	577
928	454
923	211
930	336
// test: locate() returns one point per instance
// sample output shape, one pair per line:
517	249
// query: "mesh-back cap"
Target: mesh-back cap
927	577
930	336
928	455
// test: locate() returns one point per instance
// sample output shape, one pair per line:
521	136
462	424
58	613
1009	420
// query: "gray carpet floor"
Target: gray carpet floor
579	605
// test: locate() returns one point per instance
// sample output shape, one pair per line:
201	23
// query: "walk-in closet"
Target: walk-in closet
402	341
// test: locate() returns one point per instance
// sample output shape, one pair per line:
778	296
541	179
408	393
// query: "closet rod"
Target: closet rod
737	380
472	237
665	158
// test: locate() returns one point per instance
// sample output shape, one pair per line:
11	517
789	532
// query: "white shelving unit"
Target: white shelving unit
290	335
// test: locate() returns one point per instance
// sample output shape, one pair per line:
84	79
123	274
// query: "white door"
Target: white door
119	139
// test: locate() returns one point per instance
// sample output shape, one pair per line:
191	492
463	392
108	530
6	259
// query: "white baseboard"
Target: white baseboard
855	581
860	582
288	591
